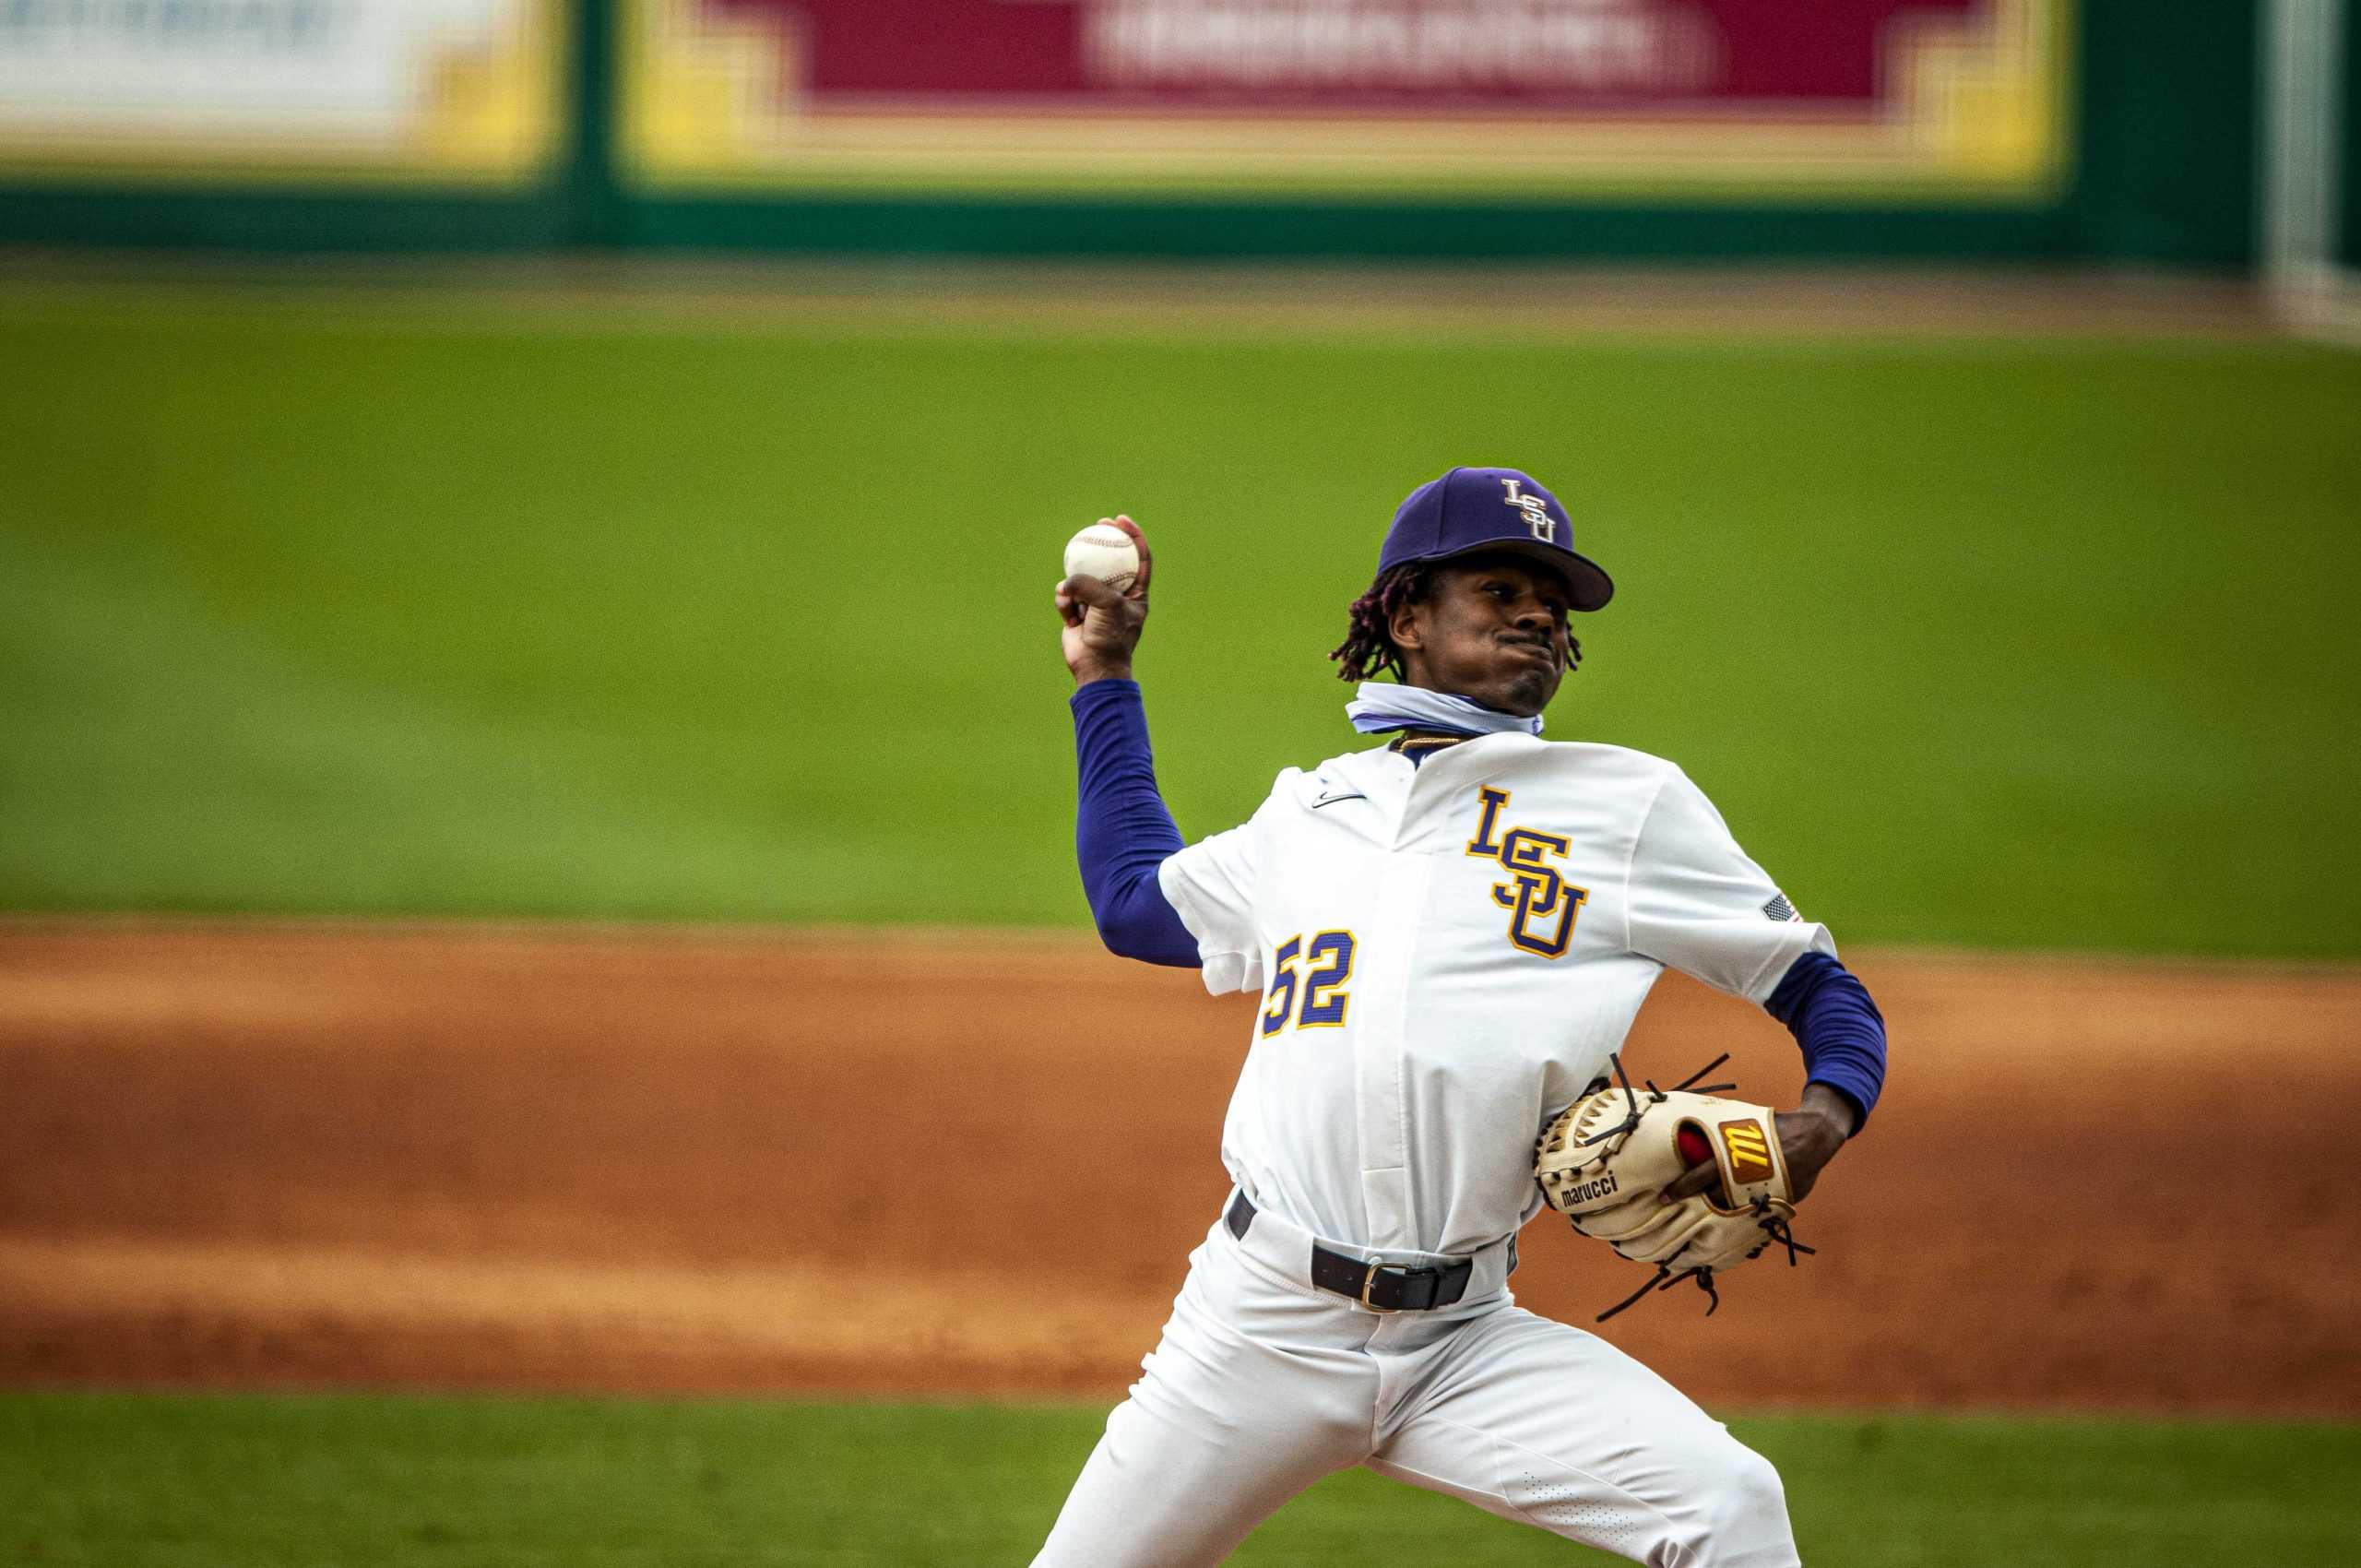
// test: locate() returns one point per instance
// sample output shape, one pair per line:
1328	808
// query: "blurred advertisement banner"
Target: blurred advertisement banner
373	89
1939	99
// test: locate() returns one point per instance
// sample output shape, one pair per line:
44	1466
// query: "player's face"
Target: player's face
1494	629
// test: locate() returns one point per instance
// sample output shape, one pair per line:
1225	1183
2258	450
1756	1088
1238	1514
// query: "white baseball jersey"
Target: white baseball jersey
1447	954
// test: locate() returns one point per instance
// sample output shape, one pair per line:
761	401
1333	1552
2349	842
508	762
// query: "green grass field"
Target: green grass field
318	611
208	1481
2010	644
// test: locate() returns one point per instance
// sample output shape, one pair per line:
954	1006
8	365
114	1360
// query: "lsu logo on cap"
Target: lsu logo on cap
1536	510
1749	1150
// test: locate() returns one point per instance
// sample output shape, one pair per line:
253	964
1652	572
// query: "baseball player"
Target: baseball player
1450	932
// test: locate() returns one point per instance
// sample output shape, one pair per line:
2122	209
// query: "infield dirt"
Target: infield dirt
937	1163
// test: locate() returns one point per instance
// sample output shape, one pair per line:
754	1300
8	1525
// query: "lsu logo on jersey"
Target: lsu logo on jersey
1543	904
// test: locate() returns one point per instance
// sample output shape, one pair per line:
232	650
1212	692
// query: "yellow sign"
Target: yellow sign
420	91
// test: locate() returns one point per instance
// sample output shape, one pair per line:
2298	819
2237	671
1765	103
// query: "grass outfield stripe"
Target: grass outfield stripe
2013	644
144	1480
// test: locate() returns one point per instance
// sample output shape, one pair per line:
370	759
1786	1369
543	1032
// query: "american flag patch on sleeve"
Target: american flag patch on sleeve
1779	910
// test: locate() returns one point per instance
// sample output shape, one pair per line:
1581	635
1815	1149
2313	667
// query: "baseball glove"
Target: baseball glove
1605	1161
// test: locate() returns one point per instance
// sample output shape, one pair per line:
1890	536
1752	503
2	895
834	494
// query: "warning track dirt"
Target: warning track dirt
958	1163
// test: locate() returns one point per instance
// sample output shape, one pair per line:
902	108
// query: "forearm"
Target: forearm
1839	1108
1840	1033
1122	829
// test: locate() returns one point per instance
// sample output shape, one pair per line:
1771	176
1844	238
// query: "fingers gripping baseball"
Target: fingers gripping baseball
1103	626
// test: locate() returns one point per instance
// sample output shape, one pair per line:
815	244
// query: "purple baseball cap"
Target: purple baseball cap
1472	509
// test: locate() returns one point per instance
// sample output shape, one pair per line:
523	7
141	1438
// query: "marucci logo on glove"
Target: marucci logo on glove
1587	1192
1750	1151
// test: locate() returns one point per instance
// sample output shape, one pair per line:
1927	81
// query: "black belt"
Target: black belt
1382	1287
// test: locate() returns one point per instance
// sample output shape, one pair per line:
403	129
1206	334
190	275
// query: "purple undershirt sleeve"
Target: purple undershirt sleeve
1840	1029
1122	829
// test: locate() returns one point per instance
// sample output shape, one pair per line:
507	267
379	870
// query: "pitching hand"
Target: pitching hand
1102	626
1808	1137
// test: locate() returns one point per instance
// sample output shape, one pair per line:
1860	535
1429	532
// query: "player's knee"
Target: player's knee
1751	1489
1743	1511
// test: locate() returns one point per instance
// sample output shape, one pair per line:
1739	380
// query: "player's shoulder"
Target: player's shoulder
1601	756
1342	776
1597	771
1588	764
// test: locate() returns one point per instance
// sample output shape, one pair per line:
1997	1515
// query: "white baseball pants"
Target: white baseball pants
1262	1385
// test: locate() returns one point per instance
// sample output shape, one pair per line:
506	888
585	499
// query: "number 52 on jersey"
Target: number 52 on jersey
1316	999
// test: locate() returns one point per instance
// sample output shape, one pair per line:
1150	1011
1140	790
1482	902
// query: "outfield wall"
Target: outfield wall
2348	230
2036	129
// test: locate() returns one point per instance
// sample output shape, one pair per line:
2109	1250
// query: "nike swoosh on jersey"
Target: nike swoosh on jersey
1332	800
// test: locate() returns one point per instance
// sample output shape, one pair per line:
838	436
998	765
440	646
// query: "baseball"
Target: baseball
1694	1149
1107	552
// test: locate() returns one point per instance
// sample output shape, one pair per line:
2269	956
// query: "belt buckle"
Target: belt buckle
1369	1283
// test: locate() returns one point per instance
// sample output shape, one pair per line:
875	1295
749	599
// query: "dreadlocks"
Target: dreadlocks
1369	646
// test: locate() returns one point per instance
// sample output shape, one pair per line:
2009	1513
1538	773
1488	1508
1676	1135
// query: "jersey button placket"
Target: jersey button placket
1378	1061
1430	807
